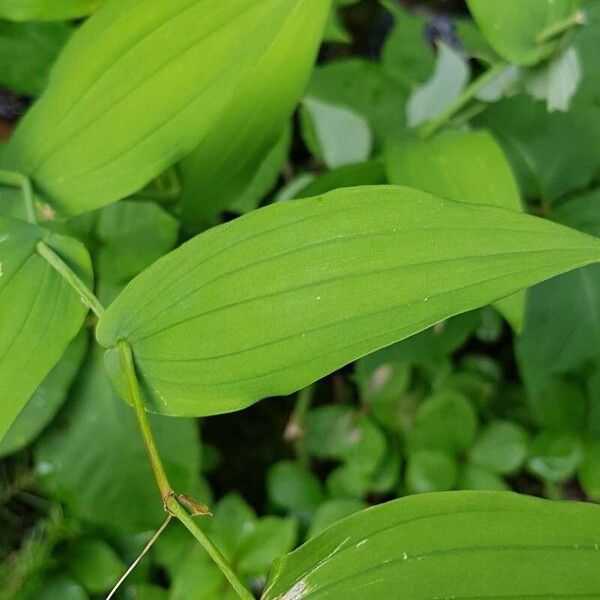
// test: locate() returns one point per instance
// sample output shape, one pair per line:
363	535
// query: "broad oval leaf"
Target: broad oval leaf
514	29
274	300
466	166
218	171
47	10
39	311
141	84
449	545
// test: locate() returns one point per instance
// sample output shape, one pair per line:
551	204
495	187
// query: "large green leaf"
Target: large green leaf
47	10
268	303
453	545
251	120
141	84
464	166
39	311
513	27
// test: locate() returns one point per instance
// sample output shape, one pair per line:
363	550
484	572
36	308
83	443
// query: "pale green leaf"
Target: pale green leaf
513	27
450	77
39	311
142	84
449	545
267	304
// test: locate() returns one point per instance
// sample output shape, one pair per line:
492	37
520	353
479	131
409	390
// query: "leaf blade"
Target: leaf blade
339	276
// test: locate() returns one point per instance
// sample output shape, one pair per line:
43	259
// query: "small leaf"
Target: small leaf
335	134
39	311
332	511
430	471
589	471
338	276
445	545
293	488
501	447
555	456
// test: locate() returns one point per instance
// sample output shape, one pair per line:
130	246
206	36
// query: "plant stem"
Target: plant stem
577	18
14	179
178	511
170	501
141	555
71	277
431	127
142	417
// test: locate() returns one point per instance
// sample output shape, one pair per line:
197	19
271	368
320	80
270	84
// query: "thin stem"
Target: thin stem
141	555
18	180
428	129
71	277
178	511
142	417
545	35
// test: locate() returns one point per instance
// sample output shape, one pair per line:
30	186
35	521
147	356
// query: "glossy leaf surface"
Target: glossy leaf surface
453	545
39	311
513	27
140	85
339	276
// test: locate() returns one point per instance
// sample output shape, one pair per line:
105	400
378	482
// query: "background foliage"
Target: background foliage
505	397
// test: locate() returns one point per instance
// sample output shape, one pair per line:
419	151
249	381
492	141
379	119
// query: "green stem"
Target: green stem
178	511
431	127
69	275
14	179
142	417
545	35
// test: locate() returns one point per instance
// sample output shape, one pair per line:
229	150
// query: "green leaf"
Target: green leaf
94	564
366	173
501	447
265	176
473	477
59	587
39	311
465	167
459	544
513	27
47	10
96	463
430	471
406	53
46	400
275	300
132	235
450	77
27	51
555	456
445	421
141	85
293	488
367	89
332	511
571	303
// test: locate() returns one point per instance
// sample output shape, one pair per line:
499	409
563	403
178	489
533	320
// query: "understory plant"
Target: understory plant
436	203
